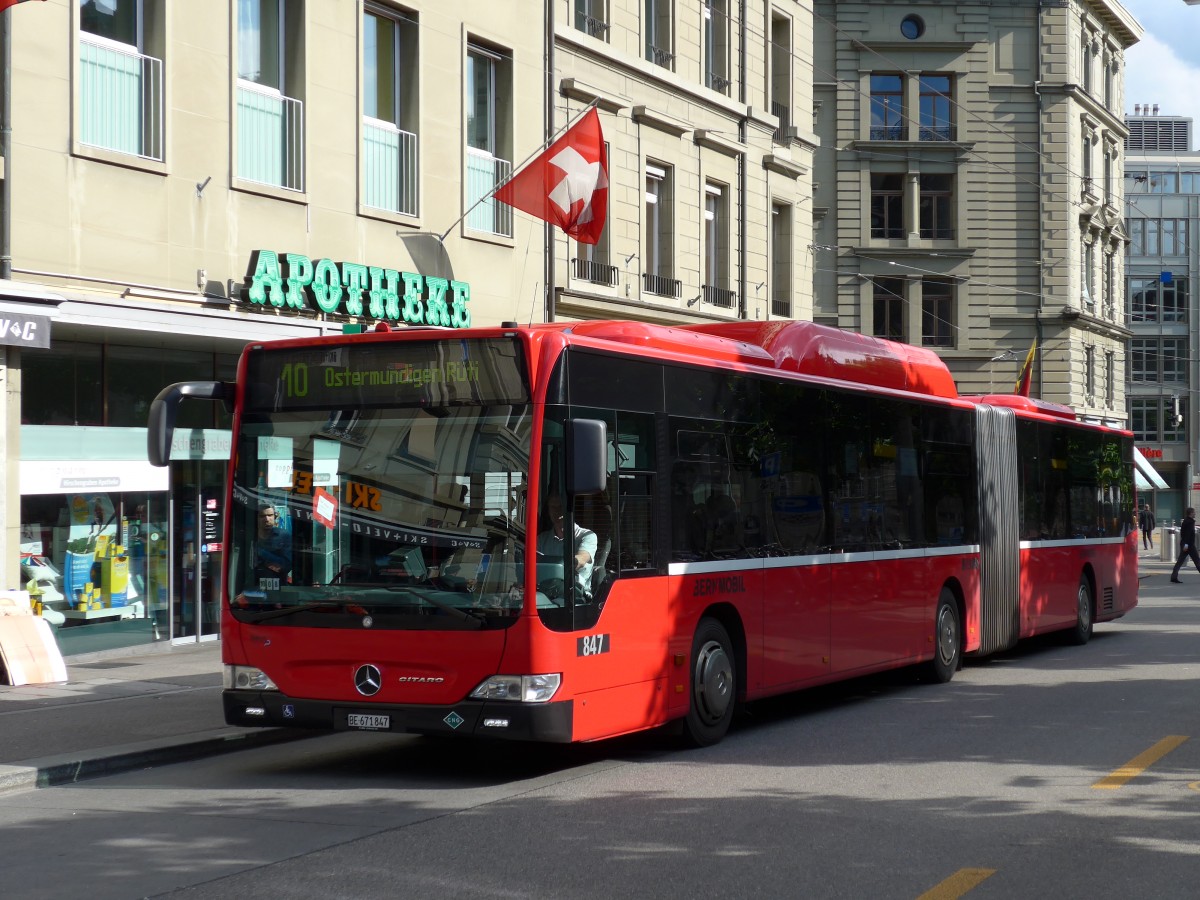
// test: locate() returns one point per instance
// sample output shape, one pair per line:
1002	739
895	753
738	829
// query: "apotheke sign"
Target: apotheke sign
293	281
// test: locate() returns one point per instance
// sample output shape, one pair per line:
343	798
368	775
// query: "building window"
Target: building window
1143	360
591	17
1110	154
390	114
716	45
937	313
1174	298
937	206
592	261
781	260
1110	284
781	76
1174	360
1110	379
658	276
912	27
489	136
1089	374
120	84
716	247
887	206
1087	277
887	108
1088	51
1110	74
270	118
936	105
1143	418
1085	147
889	307
659	33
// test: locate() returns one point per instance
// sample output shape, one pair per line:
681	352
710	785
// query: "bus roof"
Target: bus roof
791	346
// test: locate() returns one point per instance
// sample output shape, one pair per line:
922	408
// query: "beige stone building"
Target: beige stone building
185	177
162	153
706	107
969	194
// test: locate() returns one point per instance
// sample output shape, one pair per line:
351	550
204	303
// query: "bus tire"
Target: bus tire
947	640
1085	615
714	685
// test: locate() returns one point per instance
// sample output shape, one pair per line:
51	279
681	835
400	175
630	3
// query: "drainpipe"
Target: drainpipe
6	150
548	229
1037	312
741	164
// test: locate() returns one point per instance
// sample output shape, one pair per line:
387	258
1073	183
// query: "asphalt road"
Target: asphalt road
1049	771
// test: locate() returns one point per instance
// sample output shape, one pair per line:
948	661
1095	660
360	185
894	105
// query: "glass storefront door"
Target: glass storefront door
198	500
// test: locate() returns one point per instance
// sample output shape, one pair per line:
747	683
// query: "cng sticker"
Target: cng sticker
454	720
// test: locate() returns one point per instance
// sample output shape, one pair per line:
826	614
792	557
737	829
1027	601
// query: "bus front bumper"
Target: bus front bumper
551	722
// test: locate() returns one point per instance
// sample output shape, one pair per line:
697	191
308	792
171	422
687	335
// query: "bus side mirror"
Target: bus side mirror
587	440
165	408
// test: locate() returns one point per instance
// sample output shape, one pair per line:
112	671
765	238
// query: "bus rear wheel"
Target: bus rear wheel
947	650
1084	617
714	685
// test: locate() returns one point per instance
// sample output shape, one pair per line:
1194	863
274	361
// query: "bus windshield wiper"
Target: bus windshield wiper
464	614
326	605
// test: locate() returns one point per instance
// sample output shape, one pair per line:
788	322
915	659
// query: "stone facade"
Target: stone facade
959	208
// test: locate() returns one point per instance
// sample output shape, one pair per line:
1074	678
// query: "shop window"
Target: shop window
62	385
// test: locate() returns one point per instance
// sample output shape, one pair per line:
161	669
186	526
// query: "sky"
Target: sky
1164	66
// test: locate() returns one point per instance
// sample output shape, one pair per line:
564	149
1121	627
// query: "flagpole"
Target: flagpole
516	169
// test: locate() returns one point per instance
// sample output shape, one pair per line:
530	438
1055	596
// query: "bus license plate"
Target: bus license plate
371	723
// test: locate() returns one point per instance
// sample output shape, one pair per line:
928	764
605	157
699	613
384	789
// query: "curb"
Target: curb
72	767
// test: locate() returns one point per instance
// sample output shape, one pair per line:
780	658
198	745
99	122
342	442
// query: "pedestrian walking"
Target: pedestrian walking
1187	544
1147	524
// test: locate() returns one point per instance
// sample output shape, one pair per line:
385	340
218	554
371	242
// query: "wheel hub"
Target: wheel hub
713	686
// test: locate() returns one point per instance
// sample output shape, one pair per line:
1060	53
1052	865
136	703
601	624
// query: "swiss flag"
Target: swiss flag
5	4
568	183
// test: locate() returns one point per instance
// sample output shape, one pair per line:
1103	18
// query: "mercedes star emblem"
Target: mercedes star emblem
368	680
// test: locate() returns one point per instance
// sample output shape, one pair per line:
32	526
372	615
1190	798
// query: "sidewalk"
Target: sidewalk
154	705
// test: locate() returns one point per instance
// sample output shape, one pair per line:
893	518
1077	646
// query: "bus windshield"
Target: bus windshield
383	482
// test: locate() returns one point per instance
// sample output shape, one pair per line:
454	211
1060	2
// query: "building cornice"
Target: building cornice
1076	92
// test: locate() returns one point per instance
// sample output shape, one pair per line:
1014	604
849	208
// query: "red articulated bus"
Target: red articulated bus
569	532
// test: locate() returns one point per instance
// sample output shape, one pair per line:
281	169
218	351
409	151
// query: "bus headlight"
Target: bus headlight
523	688
247	678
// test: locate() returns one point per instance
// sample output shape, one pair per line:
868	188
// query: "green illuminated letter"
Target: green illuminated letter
266	283
436	311
385	302
354	277
462	296
299	277
327	286
412	298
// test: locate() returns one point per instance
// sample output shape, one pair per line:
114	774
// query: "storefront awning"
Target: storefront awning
1145	475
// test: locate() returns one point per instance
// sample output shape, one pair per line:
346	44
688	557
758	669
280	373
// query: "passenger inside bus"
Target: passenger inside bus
273	547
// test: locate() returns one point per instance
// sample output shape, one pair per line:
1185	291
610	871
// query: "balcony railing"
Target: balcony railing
591	25
936	132
270	137
719	297
783	134
887	132
389	167
660	57
661	286
594	272
120	99
781	304
718	82
484	172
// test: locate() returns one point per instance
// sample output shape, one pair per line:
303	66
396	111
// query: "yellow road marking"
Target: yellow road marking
1140	763
958	884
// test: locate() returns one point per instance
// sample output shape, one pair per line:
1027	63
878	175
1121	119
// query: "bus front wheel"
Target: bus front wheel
947	650
714	685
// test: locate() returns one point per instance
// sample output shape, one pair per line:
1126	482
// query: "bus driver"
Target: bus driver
550	546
